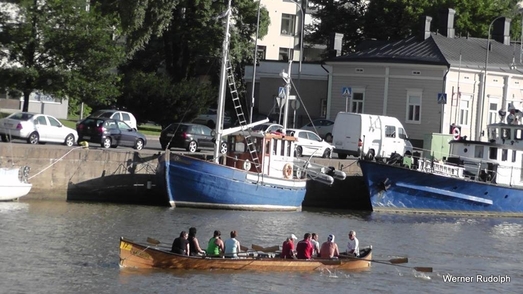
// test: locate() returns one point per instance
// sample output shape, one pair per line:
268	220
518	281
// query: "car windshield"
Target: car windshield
101	113
21	116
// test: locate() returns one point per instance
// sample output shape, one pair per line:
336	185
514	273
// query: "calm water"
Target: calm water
59	247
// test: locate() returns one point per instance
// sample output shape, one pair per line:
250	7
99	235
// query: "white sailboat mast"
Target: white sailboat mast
286	76
223	79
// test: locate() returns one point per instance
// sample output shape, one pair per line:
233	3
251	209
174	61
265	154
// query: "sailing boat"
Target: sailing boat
258	172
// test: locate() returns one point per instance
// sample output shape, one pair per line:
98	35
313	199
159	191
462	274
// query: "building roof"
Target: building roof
438	49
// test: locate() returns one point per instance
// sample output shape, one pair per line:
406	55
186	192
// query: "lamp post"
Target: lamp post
302	25
254	62
479	124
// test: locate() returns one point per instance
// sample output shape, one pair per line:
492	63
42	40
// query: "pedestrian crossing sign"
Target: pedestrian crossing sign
346	91
442	98
281	92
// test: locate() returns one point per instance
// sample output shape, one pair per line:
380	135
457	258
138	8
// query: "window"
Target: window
402	134
286	54
504	154
464	112
357	102
414	106
41	121
493	153
518	134
478	151
492	113
505	133
126	117
288	23
261	52
54	122
314	137
323	110
390	131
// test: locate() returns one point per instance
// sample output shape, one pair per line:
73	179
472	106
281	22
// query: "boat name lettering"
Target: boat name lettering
493	279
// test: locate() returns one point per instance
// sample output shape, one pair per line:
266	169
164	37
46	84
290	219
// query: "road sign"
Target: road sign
281	92
295	104
442	98
346	91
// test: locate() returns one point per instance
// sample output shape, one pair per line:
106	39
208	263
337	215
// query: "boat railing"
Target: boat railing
430	166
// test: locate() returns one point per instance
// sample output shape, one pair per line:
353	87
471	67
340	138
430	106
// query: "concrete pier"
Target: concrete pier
129	176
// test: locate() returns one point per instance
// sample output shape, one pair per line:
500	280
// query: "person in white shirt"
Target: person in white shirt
315	245
353	246
232	246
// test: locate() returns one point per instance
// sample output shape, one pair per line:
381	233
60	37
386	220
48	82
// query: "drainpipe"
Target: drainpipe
443	86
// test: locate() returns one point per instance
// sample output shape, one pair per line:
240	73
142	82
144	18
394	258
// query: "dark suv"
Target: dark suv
189	136
109	133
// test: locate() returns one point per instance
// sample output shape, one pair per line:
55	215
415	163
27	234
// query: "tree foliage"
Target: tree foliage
398	19
343	16
58	47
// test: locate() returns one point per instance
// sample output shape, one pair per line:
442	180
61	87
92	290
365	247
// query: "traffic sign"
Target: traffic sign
281	92
442	98
346	91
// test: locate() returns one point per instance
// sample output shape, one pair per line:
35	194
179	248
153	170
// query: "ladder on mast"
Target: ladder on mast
240	114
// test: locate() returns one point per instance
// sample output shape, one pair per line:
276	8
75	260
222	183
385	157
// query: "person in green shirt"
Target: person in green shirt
215	246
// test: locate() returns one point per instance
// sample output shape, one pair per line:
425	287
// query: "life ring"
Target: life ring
287	171
246	164
456	133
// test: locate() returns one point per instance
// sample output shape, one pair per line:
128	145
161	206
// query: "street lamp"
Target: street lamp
302	25
254	62
481	101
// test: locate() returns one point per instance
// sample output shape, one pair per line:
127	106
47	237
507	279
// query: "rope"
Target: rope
49	166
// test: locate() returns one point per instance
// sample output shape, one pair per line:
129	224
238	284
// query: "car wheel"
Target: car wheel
192	147
327	153
106	143
223	148
69	140
33	138
328	137
299	151
6	138
342	156
138	145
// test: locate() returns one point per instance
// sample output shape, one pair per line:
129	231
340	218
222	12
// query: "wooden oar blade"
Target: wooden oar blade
423	269
243	248
257	247
152	241
399	260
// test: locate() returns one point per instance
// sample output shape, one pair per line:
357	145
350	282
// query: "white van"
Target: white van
369	135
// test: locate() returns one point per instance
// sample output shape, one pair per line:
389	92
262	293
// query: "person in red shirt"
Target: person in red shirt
287	249
304	248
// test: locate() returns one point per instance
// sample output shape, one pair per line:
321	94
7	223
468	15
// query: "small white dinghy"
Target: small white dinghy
13	183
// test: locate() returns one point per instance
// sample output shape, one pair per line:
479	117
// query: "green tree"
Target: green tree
60	47
343	16
188	51
397	19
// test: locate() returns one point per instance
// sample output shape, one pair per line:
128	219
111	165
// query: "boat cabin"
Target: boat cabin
273	151
500	160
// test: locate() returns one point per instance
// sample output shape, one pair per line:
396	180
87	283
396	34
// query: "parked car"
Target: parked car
268	128
189	136
209	119
36	128
322	127
110	132
124	116
310	144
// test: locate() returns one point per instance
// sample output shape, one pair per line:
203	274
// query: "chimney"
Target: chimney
446	22
425	22
501	30
335	44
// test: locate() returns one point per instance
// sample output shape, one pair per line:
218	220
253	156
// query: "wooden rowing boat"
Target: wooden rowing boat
136	255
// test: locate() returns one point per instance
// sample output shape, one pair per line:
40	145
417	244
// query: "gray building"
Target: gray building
406	79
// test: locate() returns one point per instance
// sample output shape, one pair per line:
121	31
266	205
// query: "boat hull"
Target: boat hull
396	188
12	184
134	255
191	182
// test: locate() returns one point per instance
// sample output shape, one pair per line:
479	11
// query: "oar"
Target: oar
394	262
265	249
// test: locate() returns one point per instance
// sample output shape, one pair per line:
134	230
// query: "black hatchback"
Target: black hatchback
189	136
109	133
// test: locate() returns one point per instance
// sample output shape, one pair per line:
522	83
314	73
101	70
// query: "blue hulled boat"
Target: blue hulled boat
477	178
257	171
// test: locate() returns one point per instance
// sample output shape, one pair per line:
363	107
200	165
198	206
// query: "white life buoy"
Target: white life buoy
456	133
287	171
246	164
